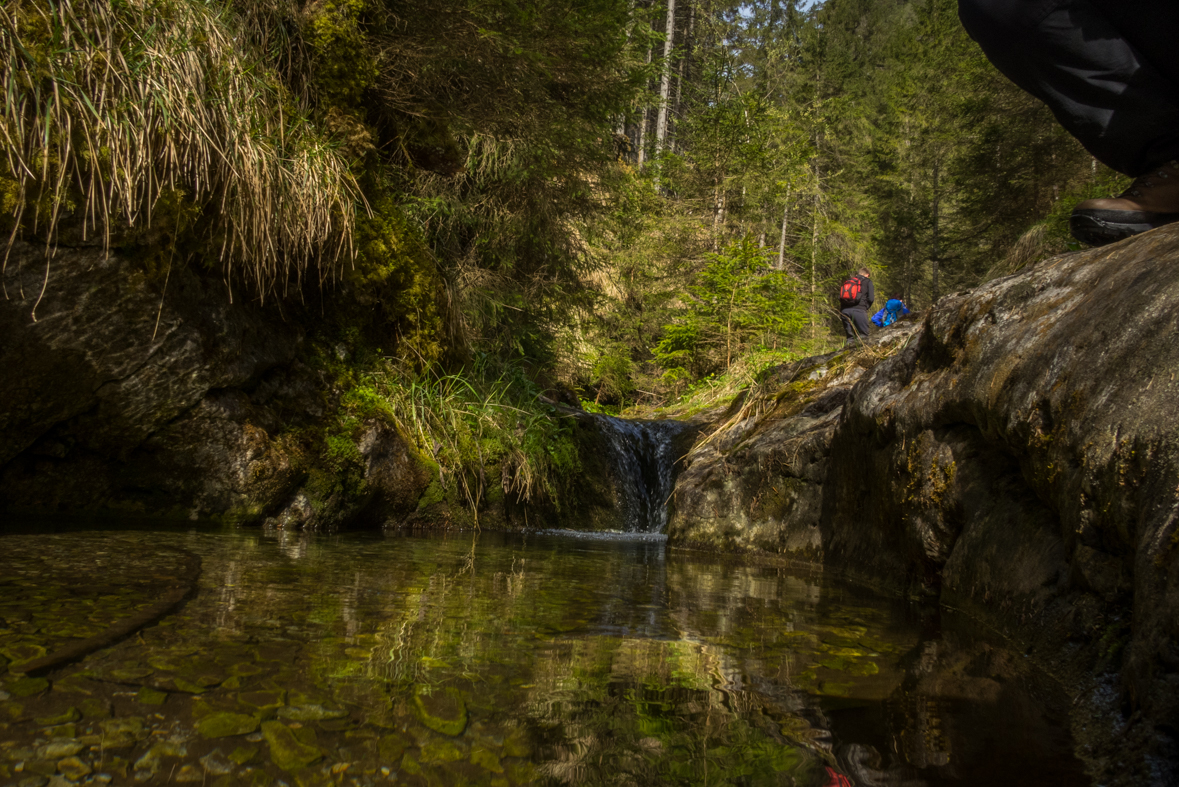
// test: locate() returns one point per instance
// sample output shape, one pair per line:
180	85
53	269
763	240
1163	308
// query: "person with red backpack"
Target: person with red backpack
856	295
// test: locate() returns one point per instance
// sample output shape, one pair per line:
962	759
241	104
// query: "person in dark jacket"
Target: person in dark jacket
1108	71
855	311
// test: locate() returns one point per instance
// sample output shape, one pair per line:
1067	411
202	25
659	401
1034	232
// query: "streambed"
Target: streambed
495	659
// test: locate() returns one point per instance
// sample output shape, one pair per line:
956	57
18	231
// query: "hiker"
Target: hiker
856	294
1107	70
894	309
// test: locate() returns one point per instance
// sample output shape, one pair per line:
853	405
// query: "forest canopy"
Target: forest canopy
627	198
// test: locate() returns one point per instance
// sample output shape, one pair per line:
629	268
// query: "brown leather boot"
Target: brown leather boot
1151	201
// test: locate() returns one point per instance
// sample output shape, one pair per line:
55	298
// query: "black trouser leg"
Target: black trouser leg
1106	68
855	320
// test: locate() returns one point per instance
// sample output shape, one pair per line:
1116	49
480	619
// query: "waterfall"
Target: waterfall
644	456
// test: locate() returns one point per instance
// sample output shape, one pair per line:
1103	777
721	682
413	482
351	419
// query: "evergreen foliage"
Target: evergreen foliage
533	185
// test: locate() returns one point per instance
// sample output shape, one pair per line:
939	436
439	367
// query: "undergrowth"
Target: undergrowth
485	426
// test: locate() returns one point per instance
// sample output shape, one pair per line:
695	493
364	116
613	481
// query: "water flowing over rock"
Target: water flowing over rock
1016	456
644	454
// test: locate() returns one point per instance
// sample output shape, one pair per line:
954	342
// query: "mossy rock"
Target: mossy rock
435	493
122	732
223	725
263	700
442	710
309	713
391	748
287	751
516	744
62	718
486	759
149	696
27	687
94	708
440	750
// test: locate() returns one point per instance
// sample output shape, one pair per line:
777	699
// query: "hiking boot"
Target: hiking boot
1151	201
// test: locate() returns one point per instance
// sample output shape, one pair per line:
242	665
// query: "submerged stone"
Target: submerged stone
442	750
73	768
216	763
267	699
243	754
151	761
222	725
188	687
286	751
27	687
121	732
131	672
149	696
62	718
391	747
189	773
486	760
441	710
59	749
309	713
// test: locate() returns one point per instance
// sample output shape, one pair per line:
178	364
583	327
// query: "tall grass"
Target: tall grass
106	106
486	417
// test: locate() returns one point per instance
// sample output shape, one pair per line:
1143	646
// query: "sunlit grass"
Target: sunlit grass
484	419
106	106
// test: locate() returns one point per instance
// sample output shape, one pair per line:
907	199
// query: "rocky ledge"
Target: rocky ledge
1015	456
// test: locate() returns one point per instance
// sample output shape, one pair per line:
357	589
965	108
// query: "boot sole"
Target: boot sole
1102	227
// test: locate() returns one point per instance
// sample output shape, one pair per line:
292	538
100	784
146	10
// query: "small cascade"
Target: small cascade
644	454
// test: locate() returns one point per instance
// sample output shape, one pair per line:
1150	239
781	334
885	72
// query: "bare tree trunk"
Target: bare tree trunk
937	251
665	81
785	223
814	258
718	216
643	128
684	68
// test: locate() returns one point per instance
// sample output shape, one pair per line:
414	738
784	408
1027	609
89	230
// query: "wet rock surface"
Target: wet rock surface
130	394
1016	457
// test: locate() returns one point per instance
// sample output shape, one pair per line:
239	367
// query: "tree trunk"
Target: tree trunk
665	82
814	258
782	240
937	250
642	157
685	67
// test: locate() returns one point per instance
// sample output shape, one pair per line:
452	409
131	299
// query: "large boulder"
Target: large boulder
1016	457
128	393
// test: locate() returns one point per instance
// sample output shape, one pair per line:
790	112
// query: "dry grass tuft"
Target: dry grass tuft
1033	246
108	105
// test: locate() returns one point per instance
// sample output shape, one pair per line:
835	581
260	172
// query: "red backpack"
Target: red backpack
849	292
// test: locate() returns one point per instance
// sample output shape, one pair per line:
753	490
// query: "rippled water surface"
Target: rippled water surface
497	660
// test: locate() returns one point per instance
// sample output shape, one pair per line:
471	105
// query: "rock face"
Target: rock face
1016	456
123	396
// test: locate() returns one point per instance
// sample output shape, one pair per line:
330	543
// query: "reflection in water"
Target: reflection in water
499	660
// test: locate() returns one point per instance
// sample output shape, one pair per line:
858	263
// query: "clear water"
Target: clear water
498	660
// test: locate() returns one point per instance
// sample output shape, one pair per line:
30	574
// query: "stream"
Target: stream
495	659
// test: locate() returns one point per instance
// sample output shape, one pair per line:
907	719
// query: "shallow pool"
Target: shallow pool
495	659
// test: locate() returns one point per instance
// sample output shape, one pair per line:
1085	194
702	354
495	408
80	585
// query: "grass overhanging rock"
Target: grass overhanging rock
108	108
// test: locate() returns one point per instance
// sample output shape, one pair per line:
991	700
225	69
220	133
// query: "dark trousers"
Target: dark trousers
1107	69
855	320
